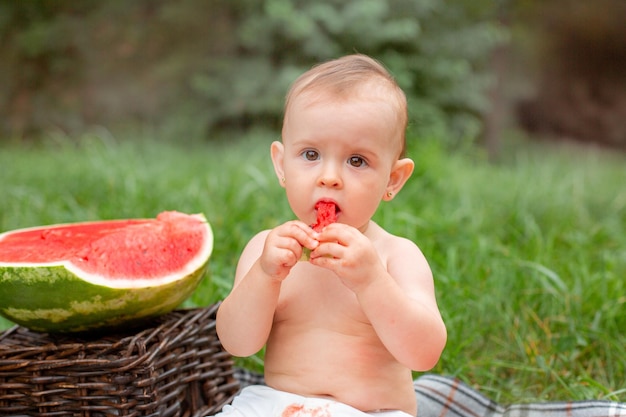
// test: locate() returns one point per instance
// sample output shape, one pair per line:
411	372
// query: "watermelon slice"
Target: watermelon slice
326	214
82	276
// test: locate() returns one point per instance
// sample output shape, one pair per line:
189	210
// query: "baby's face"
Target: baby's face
340	150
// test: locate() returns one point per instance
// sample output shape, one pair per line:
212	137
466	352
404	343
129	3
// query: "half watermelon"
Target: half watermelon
83	276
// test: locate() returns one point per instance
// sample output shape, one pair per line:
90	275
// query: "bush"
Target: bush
436	50
194	67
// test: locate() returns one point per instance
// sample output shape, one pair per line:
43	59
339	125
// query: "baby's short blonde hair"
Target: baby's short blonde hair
349	76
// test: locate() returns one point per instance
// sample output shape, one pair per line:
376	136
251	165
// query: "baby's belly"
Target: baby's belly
352	368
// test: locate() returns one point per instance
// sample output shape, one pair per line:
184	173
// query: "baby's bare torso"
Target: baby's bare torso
322	345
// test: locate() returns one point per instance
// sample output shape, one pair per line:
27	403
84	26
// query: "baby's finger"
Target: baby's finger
306	236
338	233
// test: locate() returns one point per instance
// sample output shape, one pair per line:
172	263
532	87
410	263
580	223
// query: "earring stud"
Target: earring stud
389	194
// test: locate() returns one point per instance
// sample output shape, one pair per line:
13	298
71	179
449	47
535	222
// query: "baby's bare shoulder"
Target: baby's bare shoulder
393	246
404	260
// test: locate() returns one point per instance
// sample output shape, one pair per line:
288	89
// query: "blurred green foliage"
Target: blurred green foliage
437	50
195	67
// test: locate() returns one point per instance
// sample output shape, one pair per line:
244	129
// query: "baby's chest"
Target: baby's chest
319	296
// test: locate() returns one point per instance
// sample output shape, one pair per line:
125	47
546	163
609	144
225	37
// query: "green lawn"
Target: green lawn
529	255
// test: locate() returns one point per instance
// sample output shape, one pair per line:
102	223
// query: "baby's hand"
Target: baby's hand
283	247
349	253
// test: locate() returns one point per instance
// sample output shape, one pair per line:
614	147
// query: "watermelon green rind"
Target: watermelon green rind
60	297
306	254
326	214
42	303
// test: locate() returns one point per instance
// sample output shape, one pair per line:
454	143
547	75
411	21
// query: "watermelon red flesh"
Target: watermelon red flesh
131	252
85	275
326	214
57	242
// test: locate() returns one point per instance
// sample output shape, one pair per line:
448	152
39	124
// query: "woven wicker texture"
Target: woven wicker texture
174	366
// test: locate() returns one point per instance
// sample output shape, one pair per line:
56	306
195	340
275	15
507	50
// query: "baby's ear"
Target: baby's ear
277	151
400	173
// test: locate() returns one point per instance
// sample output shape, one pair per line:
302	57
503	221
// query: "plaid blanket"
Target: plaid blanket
441	396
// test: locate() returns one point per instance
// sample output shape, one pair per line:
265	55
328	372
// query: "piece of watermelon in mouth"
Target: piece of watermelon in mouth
326	214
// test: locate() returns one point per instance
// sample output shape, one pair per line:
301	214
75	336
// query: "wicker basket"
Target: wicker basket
175	366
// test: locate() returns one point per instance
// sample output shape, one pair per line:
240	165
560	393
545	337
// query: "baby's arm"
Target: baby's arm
397	296
402	308
244	319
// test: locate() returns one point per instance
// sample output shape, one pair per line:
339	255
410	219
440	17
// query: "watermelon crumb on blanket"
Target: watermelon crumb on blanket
326	214
82	276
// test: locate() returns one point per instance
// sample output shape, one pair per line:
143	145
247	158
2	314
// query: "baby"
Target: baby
343	330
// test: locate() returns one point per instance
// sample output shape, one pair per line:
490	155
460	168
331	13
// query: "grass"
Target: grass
529	255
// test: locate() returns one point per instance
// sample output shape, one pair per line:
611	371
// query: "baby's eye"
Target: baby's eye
311	155
357	161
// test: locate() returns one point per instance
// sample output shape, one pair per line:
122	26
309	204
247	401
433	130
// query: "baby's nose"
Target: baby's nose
330	177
